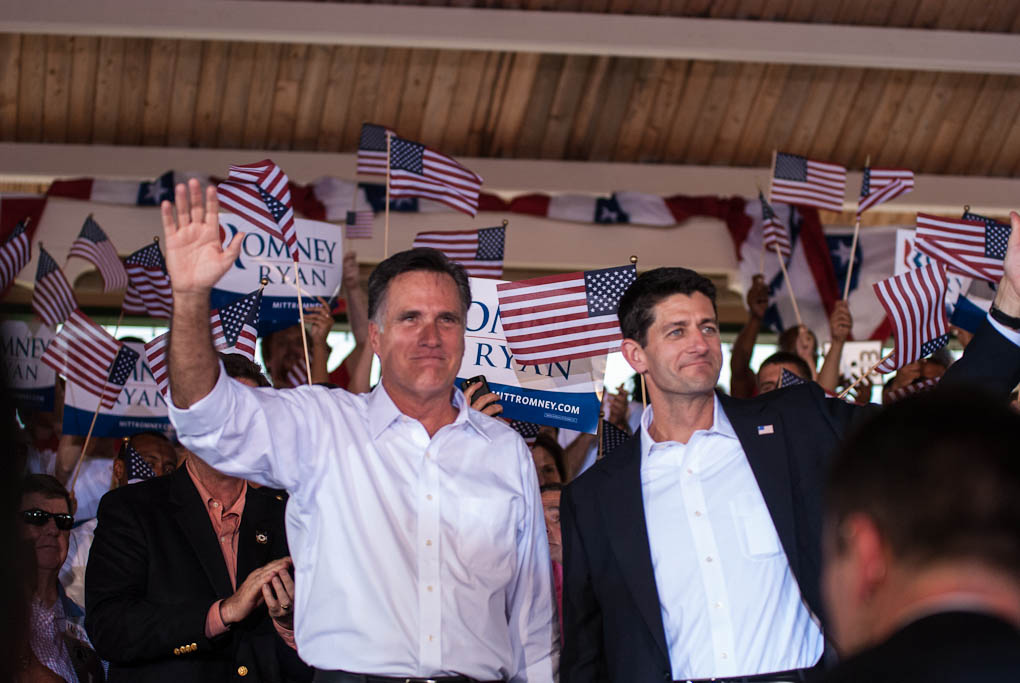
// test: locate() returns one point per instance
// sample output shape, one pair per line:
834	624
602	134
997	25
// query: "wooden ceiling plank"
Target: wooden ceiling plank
529	139
998	130
610	116
10	70
261	94
579	143
57	88
337	103
31	88
390	87
714	110
812	114
159	89
415	92
752	139
957	112
805	10
514	105
986	107
1007	153
285	98
928	12
738	112
184	93
639	109
852	135
312	97
923	129
906	119
132	90
81	104
475	134
565	103
234	102
463	102
108	83
502	77
667	98
880	121
440	95
211	83
837	109
699	78
775	10
902	13
363	94
787	116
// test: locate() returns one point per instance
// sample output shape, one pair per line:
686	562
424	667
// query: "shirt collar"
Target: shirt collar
382	412
207	496
720	425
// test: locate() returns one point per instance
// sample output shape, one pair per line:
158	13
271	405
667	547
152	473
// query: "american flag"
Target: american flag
774	233
89	357
916	387
372	149
148	292
879	185
479	251
234	330
296	376
798	180
916	304
358	225
527	430
972	247
137	468
14	255
561	317
260	193
95	247
788	379
417	171
612	437
52	299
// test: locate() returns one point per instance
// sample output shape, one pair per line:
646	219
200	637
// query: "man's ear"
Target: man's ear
870	553
634	354
373	336
118	470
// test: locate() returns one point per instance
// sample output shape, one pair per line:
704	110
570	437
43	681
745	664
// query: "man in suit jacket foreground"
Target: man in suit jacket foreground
922	544
694	550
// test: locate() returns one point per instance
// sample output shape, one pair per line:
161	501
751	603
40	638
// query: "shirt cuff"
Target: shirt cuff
205	415
214	625
286	634
1012	335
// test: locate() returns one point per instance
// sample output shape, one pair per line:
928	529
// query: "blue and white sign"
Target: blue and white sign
31	381
556	394
139	407
320	249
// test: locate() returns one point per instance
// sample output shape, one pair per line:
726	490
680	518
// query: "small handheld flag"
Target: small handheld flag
372	149
879	185
52	299
260	193
976	248
774	234
419	171
799	180
358	225
916	304
14	255
95	247
148	291
137	468
479	251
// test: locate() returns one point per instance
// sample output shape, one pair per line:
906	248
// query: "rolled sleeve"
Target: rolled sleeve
214	625
206	415
1012	335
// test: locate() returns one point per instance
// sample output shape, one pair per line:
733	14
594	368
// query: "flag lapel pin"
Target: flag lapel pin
765	429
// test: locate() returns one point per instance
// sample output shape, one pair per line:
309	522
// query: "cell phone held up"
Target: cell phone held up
478	379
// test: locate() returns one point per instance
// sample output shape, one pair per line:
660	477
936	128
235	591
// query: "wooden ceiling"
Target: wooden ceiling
181	93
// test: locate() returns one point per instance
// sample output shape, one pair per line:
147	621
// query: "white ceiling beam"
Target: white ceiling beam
41	163
523	31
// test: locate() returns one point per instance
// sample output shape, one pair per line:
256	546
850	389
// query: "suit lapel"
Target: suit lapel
255	542
623	510
193	518
766	451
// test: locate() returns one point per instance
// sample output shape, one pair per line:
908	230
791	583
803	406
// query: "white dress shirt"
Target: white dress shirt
730	603
413	556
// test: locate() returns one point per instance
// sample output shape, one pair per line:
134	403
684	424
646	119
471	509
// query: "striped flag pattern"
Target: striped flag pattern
799	180
148	291
879	185
89	357
296	376
916	387
95	247
479	251
260	193
372	149
14	255
561	317
358	225
156	358
52	299
916	304
972	247
418	171
775	235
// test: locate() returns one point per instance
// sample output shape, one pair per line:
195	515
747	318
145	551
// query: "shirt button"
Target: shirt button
429	588
428	541
697	513
690	471
430	639
724	655
428	497
718	605
708	559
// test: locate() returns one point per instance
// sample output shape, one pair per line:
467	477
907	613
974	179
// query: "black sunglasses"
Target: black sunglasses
37	517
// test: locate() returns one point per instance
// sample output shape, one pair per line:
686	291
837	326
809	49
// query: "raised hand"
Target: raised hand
840	322
195	259
1007	297
758	297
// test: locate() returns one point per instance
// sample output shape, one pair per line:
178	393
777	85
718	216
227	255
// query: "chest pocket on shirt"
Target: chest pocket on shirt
755	527
486	538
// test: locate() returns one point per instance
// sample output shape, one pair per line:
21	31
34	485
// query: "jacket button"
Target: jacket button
242	671
177	651
194	647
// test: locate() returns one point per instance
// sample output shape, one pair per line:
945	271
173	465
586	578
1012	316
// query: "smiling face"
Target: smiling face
420	337
50	543
683	353
285	350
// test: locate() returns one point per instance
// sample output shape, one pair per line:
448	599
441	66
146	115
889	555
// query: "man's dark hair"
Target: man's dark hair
552	486
237	365
420	258
804	371
649	289
46	485
788	339
939	476
554	449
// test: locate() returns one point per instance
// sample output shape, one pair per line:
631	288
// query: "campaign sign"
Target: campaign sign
321	253
557	394
30	380
859	357
139	407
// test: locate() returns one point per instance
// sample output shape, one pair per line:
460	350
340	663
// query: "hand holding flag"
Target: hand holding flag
1007	295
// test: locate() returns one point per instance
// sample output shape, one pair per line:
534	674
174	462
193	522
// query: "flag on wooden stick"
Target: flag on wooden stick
94	246
419	171
372	149
916	304
799	180
918	386
972	247
260	193
479	251
879	185
774	234
148	291
14	255
52	299
358	225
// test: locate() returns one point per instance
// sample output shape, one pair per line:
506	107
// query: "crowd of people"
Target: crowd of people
347	533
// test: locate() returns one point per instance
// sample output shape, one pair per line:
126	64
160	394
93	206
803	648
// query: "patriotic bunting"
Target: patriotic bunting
148	291
52	299
916	304
798	180
561	317
972	247
418	171
95	247
879	185
14	255
260	193
479	251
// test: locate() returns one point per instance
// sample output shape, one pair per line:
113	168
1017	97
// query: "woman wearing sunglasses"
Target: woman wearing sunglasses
59	648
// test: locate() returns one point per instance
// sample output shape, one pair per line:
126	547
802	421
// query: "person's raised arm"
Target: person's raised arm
742	379
357	302
840	324
195	261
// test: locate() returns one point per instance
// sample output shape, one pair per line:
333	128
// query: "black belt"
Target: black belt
798	675
323	676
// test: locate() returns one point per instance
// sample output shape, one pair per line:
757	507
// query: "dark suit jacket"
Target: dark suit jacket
154	570
951	647
612	621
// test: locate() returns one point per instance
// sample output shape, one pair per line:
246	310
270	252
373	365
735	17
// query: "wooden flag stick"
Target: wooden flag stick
789	285
853	245
866	374
84	447
386	225
598	435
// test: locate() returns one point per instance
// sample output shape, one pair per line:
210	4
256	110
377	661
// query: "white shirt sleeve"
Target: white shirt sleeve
1012	335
